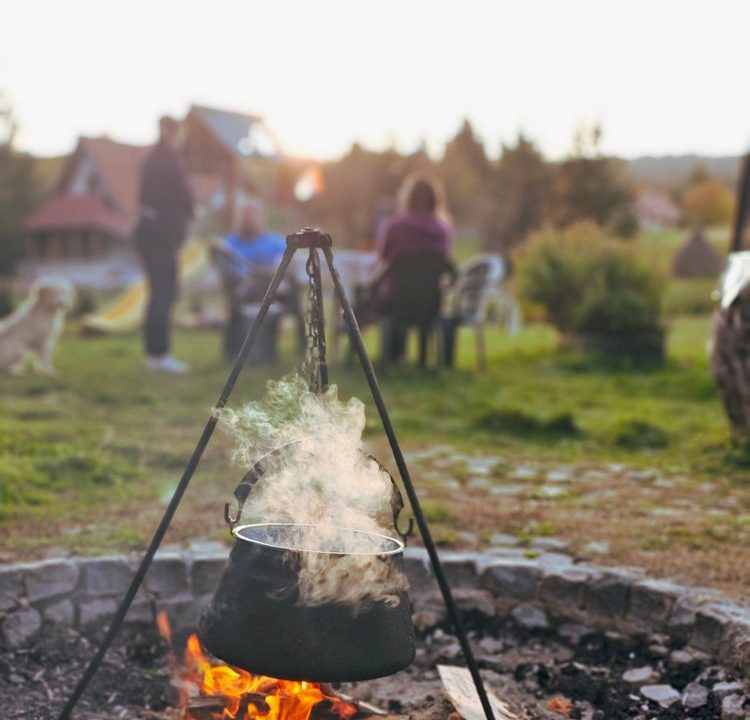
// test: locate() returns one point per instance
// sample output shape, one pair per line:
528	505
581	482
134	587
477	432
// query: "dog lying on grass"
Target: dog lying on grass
32	329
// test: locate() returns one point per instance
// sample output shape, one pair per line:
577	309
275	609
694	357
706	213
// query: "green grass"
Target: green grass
105	428
88	459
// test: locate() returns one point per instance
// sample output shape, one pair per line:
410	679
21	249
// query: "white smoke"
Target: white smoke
318	477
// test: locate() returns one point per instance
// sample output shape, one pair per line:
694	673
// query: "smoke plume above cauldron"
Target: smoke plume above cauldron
317	477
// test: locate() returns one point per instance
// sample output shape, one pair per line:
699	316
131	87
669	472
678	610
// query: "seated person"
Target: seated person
254	248
248	259
417	229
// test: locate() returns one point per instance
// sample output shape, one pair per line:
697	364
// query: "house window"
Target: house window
42	245
86	243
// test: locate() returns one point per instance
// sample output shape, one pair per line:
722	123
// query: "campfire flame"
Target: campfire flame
246	696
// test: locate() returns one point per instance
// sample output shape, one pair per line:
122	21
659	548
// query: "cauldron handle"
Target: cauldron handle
241	492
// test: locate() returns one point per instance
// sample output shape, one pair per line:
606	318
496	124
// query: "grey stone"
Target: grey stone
554	560
559	475
651	601
657	652
460	568
21	628
640	676
664	695
524	472
206	571
682	618
608	594
183	612
10	588
418	570
141	612
694	696
530	617
565	587
733	708
60	613
503	539
167	575
722	689
596	547
481	466
573	633
708	629
50	578
507	490
96	612
550	492
475	600
512	577
106	575
550	543
478	483
506	552
681	658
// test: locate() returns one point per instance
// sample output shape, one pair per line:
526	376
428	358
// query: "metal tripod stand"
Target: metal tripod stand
313	241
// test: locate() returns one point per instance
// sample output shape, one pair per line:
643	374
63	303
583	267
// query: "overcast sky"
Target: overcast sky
663	76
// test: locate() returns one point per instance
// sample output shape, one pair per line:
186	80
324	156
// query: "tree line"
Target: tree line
502	200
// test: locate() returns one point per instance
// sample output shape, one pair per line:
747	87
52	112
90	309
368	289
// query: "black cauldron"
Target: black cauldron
258	621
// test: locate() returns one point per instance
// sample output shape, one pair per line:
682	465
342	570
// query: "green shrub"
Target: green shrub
587	282
513	421
637	434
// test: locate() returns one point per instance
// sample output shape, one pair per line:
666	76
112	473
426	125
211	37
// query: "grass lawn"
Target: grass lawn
88	458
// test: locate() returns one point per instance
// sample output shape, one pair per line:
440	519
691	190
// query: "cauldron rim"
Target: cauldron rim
398	545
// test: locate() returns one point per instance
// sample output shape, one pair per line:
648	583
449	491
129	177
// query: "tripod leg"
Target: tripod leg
178	493
424	529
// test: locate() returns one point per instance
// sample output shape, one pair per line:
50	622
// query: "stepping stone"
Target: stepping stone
508	490
560	475
551	492
503	539
524	472
596	547
549	543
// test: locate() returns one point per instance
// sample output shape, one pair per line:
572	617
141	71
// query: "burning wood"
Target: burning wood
216	692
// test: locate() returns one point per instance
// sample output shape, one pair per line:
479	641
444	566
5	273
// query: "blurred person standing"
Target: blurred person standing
419	227
166	211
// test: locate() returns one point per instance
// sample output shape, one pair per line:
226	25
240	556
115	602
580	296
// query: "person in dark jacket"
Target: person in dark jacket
166	210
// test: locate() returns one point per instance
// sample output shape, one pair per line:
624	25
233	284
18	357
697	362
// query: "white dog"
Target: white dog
33	328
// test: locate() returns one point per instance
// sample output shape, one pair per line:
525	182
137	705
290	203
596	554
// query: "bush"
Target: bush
588	283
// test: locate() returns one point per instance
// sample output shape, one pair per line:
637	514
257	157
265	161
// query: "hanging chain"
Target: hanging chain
315	361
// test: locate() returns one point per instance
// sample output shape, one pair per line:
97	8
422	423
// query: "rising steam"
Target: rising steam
318	477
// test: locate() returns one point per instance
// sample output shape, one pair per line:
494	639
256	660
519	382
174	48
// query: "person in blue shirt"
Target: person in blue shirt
253	245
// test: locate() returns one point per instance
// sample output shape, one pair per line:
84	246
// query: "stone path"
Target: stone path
665	522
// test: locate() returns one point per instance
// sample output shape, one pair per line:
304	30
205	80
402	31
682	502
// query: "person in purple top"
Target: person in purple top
418	228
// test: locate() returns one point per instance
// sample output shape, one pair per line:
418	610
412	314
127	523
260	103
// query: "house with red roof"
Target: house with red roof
94	206
85	226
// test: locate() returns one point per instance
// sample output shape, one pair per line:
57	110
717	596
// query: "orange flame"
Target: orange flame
275	700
